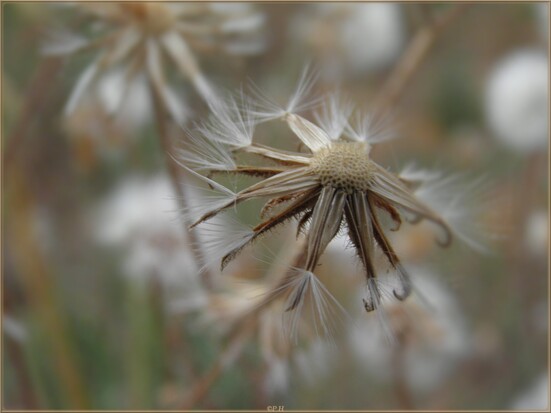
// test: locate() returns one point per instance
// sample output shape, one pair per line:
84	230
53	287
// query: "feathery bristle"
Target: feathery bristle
218	237
204	154
305	289
230	123
334	114
368	128
375	299
211	199
265	109
461	205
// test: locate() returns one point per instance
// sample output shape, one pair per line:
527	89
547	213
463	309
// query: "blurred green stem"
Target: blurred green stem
38	283
145	342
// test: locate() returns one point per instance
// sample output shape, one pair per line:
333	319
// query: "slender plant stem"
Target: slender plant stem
162	121
37	280
415	53
37	95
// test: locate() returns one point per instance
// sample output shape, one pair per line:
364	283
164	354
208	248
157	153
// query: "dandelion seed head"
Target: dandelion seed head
344	165
333	187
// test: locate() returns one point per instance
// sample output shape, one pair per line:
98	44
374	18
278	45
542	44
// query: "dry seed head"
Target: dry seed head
334	186
344	165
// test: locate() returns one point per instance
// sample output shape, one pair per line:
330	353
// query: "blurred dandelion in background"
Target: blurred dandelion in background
134	40
352	38
140	56
432	333
517	100
140	216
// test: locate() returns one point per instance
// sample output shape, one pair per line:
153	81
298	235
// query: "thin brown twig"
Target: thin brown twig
37	281
416	52
162	120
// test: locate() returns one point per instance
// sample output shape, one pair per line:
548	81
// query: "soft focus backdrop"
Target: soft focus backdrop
102	303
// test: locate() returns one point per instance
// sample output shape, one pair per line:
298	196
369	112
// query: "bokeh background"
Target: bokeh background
103	307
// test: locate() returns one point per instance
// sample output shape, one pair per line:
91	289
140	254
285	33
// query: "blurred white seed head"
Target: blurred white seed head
352	38
138	205
541	10
372	35
517	107
131	111
536	233
140	217
430	331
14	329
146	40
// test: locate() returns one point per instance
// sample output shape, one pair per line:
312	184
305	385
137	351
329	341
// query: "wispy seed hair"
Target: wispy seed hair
265	108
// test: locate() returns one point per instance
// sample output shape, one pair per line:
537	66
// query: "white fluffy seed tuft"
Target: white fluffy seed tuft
264	108
219	236
203	154
230	123
307	293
